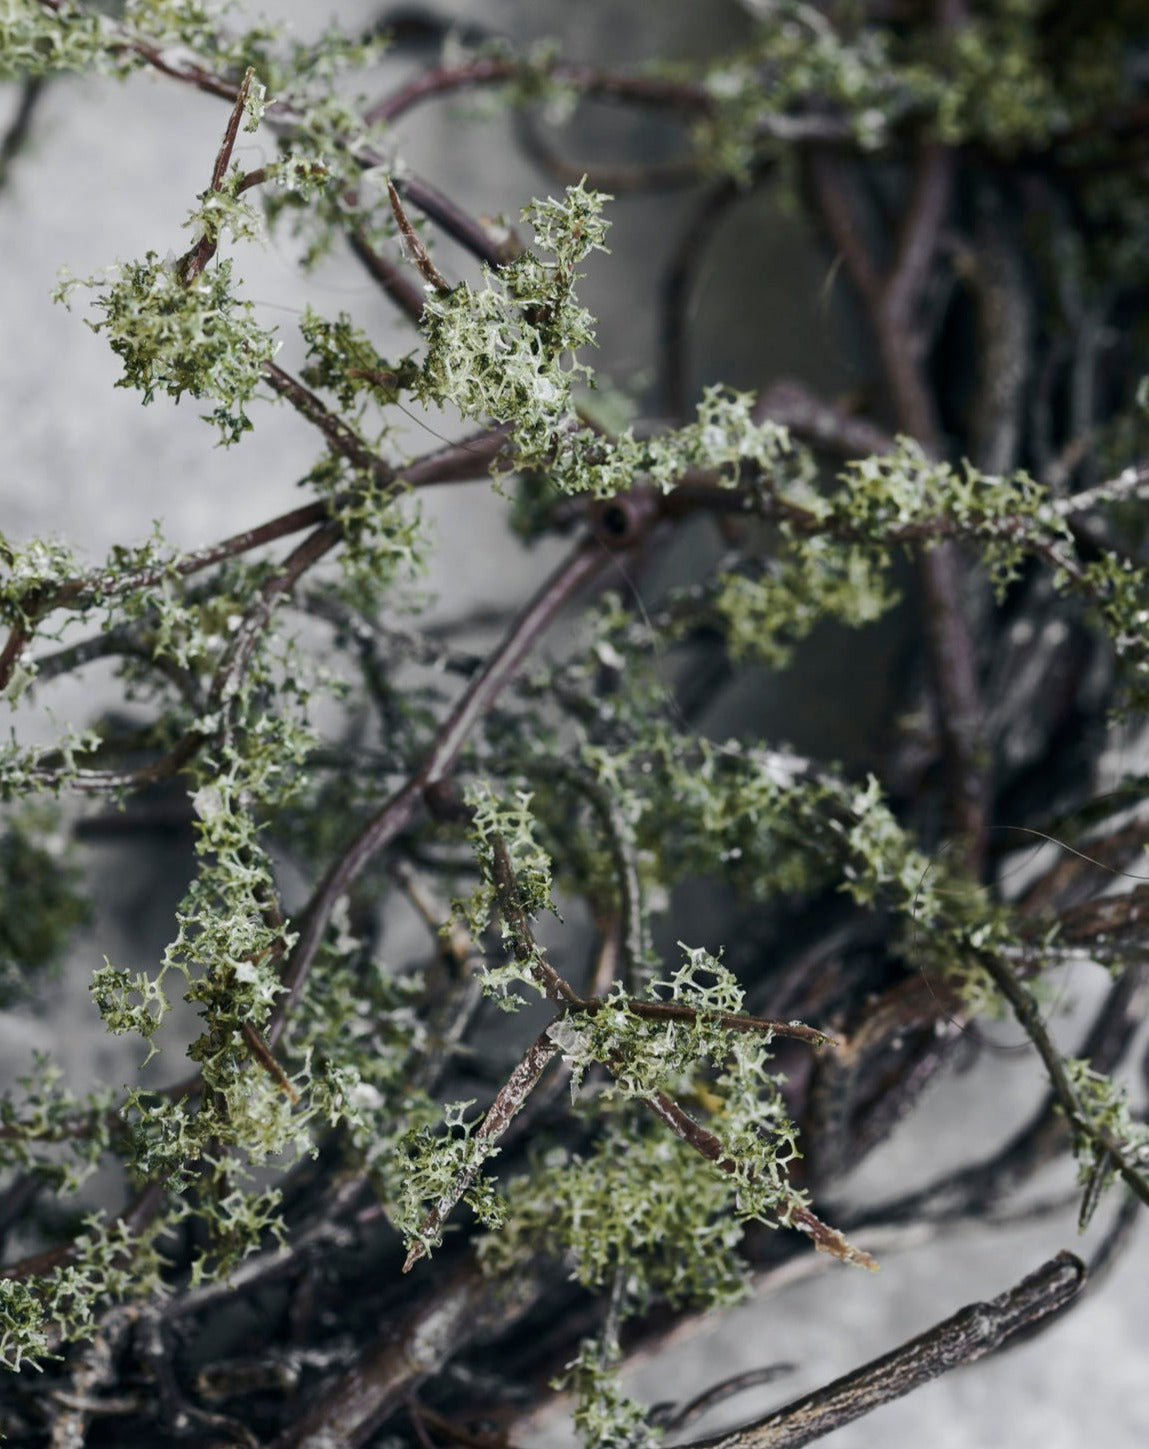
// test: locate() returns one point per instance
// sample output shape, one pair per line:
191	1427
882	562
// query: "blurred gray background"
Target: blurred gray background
112	170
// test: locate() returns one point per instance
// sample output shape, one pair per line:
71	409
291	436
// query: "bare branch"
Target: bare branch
427	268
970	1334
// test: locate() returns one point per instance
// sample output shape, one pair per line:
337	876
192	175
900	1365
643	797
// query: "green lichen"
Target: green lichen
605	1416
200	339
40	905
582	781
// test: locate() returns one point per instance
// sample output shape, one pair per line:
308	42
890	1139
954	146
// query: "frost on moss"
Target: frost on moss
31	570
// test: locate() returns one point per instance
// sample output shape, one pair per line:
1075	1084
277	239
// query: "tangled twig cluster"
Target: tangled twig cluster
336	1116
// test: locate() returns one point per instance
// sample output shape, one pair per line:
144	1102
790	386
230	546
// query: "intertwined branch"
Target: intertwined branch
560	757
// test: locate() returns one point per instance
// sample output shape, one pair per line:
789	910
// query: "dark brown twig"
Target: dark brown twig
135	1219
470	457
1083	1125
581	566
615	180
824	425
451	1315
890	303
729	1020
676	293
263	1055
469	233
455	1432
14	646
795	1214
418	252
970	1334
341	438
674	1418
192	263
606	85
391	278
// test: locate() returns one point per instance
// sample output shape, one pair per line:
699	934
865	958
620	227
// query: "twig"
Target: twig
674	1418
620	842
134	1219
127	642
406	296
93	1371
16	135
161	60
890	302
99	782
917	245
676	292
82	592
981	1187
1004	316
263	1055
420	1428
427	268
341	438
345	1415
324	1232
826	426
371	637
523	947
192	263
228	671
1118	1237
730	1020
795	1213
497	1119
1081	1123
468	232
580	567
470	457
1132	482
959	713
455	1432
831	182
901	1041
14	645
176	1411
641	90
303	557
618	179
970	1334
